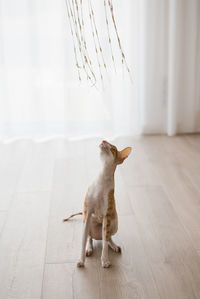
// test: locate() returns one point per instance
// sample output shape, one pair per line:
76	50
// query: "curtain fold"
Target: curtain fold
171	67
40	95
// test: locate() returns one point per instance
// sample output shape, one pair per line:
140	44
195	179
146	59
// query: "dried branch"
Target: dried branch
74	44
109	36
81	51
94	40
118	39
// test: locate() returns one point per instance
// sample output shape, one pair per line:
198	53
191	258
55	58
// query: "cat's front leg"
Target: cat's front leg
89	249
105	238
84	241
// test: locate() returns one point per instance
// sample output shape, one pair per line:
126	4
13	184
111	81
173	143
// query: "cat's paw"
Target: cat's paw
89	252
105	264
80	264
117	249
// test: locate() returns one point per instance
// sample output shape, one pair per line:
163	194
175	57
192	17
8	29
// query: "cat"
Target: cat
99	212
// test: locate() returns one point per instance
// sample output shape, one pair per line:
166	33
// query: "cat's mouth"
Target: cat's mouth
104	145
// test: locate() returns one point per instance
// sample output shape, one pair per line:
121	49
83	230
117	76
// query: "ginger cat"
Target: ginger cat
99	213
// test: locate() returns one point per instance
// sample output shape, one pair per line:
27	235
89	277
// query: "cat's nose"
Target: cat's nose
103	141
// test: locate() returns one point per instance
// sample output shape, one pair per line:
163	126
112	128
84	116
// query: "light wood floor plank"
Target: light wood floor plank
174	261
122	197
158	200
138	166
193	176
67	281
22	246
194	140
171	160
2	221
12	160
38	170
129	277
69	189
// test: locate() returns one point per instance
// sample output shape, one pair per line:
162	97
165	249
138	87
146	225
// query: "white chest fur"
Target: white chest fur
98	192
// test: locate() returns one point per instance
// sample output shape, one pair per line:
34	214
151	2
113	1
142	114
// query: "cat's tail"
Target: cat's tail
66	219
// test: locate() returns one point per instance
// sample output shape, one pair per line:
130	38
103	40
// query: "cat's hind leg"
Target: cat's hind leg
89	249
114	246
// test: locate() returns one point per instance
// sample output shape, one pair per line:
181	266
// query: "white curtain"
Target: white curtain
40	95
170	72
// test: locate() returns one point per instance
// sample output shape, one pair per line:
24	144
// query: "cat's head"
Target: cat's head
110	154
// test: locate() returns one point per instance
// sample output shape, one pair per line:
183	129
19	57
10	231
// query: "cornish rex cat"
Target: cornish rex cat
99	213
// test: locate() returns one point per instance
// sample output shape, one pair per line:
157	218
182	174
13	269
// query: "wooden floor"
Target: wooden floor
158	202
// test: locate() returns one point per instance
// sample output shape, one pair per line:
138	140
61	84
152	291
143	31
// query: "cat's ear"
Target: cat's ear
122	155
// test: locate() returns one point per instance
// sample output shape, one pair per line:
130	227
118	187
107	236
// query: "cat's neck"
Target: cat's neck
108	172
